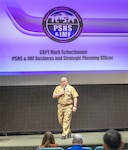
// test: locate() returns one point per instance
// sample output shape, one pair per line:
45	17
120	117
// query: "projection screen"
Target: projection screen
42	40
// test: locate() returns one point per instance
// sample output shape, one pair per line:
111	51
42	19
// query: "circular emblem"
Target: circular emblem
62	24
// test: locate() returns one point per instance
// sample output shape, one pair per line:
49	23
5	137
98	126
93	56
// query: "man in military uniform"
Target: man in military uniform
67	103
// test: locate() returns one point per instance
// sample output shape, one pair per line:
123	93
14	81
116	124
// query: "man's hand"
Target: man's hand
74	109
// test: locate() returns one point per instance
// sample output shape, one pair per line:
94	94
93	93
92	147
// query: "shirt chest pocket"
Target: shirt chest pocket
68	92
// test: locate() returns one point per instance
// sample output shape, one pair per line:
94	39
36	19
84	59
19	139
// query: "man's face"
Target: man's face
64	82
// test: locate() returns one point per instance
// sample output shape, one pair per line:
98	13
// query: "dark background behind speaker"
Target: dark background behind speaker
32	109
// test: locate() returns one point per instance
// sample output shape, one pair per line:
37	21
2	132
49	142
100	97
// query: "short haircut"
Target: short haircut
112	139
77	138
64	78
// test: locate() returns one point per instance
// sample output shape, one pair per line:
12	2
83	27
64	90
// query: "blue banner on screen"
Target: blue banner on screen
40	36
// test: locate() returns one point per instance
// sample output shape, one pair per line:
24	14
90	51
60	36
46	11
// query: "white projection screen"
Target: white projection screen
42	40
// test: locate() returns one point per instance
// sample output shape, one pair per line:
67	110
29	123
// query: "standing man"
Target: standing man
67	103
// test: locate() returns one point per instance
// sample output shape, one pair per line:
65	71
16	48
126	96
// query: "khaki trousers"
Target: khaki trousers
64	118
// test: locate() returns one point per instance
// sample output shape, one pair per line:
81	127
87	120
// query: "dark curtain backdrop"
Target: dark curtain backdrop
32	109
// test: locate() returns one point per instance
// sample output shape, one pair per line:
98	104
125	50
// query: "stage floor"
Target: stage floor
90	138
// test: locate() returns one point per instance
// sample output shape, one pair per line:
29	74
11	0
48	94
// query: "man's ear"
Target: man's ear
82	142
122	145
104	147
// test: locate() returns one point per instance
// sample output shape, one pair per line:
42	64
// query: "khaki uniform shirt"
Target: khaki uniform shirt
67	98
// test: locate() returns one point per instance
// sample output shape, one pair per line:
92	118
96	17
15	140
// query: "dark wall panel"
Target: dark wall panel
31	108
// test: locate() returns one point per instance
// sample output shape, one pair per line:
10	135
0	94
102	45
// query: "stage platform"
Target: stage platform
30	142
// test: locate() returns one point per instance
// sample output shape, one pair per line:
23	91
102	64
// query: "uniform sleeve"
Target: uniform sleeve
56	90
74	93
